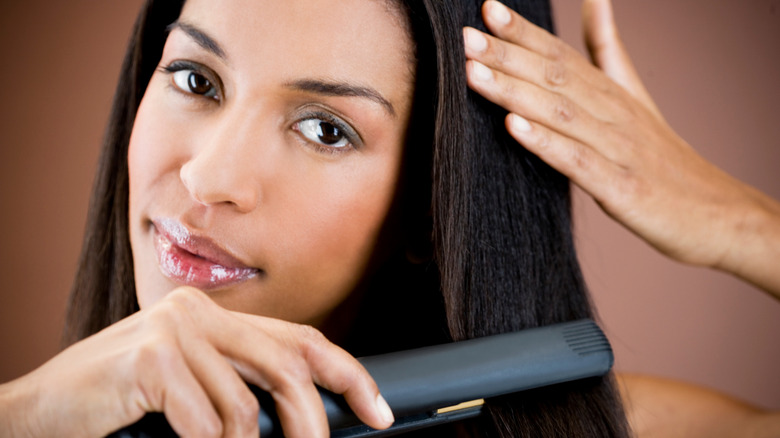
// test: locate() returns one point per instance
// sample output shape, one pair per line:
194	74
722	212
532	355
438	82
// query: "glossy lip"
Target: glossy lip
194	260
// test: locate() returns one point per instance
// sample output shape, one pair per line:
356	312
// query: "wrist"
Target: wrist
18	409
755	250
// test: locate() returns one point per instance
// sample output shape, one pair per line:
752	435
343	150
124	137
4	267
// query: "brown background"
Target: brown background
713	67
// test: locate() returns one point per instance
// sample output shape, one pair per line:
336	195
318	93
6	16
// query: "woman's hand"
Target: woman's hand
188	357
599	126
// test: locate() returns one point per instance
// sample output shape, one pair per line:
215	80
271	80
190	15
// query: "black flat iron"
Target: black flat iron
444	383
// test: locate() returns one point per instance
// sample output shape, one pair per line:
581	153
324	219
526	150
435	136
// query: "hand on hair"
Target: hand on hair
189	358
598	125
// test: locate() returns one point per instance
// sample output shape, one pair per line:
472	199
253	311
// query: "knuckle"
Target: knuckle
578	157
311	335
244	413
167	314
312	341
158	353
353	378
186	296
555	74
211	427
510	95
543	139
557	51
161	315
295	372
563	109
500	55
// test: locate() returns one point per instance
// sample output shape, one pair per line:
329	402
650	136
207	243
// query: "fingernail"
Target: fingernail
384	410
519	123
499	13
481	73
475	41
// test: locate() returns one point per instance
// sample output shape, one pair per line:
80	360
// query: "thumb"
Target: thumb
607	50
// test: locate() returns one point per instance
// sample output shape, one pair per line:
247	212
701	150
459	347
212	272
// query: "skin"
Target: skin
598	125
236	166
665	408
200	351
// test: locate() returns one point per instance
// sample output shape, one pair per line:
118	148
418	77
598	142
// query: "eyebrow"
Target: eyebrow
317	86
341	89
200	37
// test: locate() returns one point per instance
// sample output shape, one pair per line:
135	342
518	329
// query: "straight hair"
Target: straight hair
496	222
503	238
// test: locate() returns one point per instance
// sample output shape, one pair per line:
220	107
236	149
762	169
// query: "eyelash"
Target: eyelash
353	138
350	135
178	66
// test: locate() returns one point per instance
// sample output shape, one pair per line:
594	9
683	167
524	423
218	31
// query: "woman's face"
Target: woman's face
266	152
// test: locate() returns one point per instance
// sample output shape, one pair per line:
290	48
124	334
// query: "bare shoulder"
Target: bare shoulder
658	407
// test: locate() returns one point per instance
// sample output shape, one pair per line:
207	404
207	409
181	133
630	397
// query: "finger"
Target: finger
555	111
298	404
608	52
584	166
275	368
236	405
172	389
339	372
287	378
510	26
188	408
333	369
520	63
263	360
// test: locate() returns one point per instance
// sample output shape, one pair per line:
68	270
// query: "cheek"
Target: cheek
152	151
152	167
159	145
142	160
330	240
353	219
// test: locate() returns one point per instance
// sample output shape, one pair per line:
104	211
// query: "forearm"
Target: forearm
659	407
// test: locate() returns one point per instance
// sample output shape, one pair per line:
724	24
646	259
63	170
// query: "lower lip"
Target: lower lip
188	269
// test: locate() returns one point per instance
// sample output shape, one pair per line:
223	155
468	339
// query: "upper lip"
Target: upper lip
199	245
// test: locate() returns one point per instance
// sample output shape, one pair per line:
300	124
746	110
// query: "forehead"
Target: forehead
356	40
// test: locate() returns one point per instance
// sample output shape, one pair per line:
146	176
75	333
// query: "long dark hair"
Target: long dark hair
503	238
503	257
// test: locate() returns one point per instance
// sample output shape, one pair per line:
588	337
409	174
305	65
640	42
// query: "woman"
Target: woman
186	337
260	161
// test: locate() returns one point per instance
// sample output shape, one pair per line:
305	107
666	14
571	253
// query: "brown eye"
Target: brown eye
324	133
198	83
328	133
190	81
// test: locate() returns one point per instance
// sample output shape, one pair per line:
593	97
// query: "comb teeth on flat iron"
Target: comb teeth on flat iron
586	338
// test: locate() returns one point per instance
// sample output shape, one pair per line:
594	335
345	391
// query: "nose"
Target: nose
219	172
